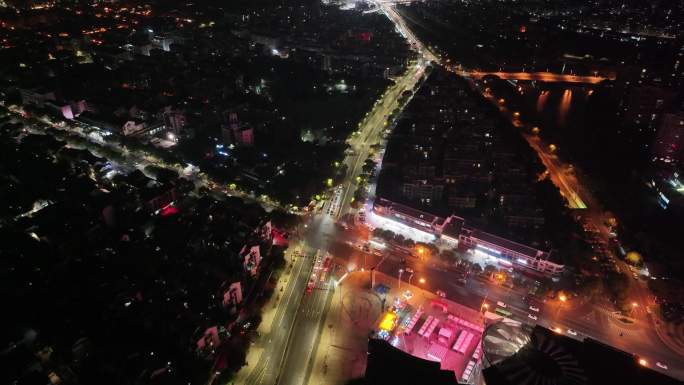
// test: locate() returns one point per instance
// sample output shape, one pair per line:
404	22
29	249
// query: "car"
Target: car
661	365
572	332
532	316
408	294
409	270
441	293
534	308
501	304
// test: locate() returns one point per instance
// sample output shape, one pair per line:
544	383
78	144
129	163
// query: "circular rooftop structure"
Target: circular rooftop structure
521	355
503	339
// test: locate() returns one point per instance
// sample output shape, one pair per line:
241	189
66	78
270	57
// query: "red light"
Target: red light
169	210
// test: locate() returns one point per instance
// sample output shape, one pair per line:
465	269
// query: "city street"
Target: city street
263	369
587	319
370	131
320	231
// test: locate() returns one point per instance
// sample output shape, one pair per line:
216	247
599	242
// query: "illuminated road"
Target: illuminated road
369	133
297	364
139	158
273	344
400	24
295	367
302	342
559	173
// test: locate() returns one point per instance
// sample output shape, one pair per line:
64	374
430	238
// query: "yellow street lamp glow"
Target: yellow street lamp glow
329	182
634	304
563	298
643	362
422	280
557	330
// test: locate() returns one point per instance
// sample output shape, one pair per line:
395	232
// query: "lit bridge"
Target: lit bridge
536	76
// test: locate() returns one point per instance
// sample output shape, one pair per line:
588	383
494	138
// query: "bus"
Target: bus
503	312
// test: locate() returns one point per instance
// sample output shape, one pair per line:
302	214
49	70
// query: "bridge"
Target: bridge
548	77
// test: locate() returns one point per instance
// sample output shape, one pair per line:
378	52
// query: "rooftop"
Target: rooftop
403	209
542	356
388	365
505	243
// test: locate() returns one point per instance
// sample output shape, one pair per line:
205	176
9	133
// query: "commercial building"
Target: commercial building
508	253
452	232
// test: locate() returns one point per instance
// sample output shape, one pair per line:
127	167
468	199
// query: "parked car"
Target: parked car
532	316
441	293
534	308
501	304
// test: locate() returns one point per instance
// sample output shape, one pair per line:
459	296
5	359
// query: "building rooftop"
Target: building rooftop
388	365
518	356
403	209
452	227
505	243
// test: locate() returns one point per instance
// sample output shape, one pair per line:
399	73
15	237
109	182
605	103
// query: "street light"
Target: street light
421	280
562	299
643	362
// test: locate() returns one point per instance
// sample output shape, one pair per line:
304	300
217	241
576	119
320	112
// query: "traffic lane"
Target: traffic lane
295	368
274	342
285	327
